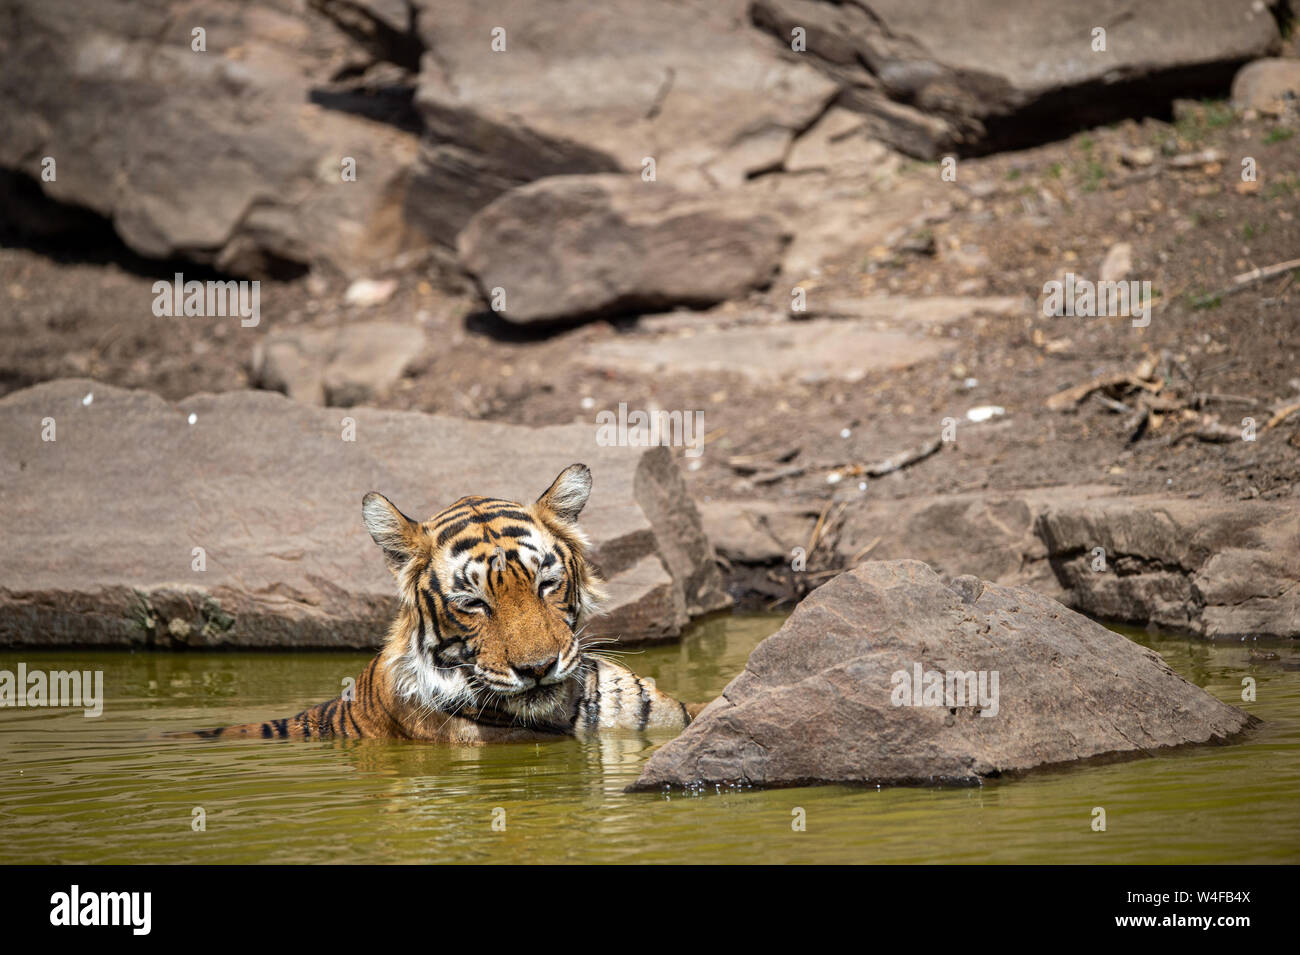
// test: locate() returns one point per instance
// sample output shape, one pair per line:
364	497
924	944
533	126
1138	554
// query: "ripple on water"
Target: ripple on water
100	790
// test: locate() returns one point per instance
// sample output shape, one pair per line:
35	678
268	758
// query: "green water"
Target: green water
74	789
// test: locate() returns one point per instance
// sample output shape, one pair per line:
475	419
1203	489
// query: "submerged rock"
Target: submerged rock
102	523
888	675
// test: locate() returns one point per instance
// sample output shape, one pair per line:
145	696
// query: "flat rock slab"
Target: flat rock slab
930	310
570	247
811	350
821	700
101	523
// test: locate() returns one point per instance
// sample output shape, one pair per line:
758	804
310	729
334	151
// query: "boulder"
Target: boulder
1268	86
1005	680
102	522
571	247
218	156
1226	570
256	126
931	76
1215	569
993	534
511	92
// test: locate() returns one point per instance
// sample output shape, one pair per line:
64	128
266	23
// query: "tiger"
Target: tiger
488	643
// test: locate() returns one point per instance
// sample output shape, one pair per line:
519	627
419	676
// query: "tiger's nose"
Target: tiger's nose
537	671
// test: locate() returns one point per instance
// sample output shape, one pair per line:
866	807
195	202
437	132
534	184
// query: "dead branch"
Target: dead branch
903	460
1281	415
1072	396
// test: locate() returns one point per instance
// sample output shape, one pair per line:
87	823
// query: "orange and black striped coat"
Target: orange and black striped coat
488	644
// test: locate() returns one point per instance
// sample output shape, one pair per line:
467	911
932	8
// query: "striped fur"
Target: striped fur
487	644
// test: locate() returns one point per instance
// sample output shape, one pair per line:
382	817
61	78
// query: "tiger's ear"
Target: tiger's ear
394	532
568	493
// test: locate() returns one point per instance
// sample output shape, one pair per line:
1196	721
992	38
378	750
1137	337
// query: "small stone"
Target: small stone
1138	156
1118	262
985	412
366	293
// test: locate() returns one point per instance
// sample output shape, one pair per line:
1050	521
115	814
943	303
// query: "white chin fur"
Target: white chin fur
418	681
529	707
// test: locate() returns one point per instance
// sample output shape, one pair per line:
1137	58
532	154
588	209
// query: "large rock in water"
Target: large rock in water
578	246
819	701
932	75
101	523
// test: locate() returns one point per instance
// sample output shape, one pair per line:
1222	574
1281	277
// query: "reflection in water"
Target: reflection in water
107	790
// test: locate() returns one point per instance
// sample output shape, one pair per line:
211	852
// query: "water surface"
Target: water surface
74	789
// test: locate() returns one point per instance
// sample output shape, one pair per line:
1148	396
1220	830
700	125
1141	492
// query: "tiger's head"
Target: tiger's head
494	598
